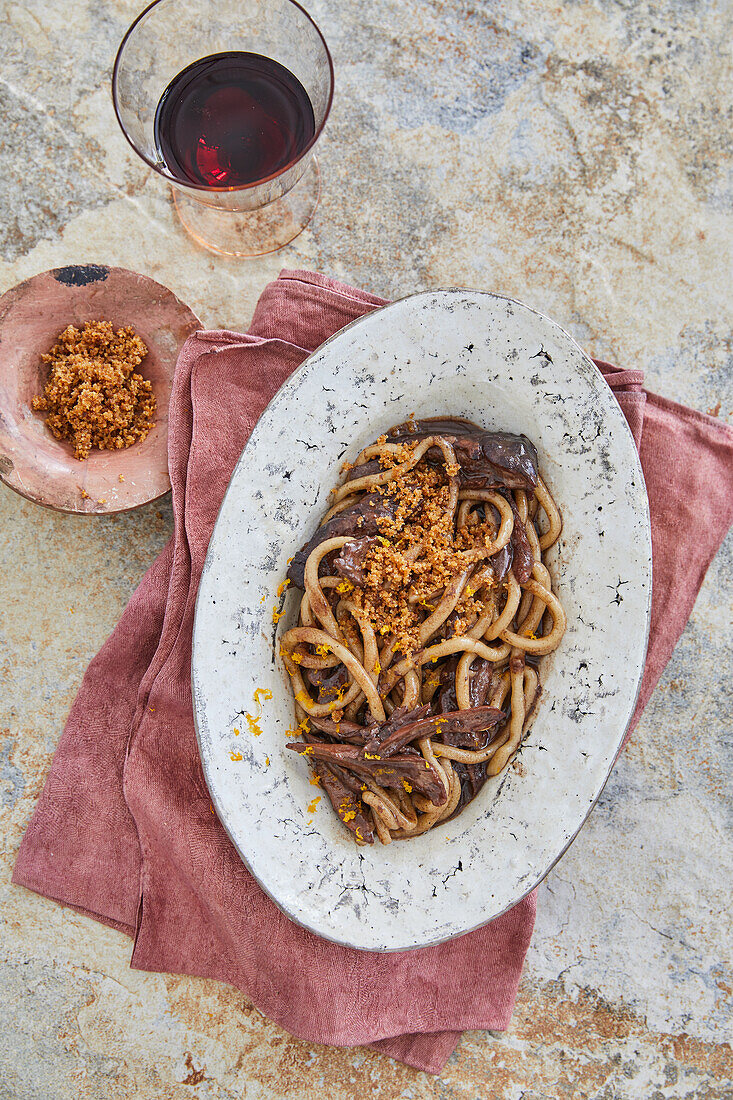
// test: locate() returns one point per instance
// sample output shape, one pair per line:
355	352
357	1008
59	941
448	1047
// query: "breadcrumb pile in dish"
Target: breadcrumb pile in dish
94	396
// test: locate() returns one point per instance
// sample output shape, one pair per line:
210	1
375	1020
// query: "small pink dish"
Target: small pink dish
32	315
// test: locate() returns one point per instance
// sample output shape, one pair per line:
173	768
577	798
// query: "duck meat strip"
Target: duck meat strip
348	806
339	731
458	727
475	740
433	425
497	460
328	685
420	775
353	732
346	803
373	466
501	562
447	700
359	519
377	733
488	460
350	562
522	560
344	794
472	778
481	682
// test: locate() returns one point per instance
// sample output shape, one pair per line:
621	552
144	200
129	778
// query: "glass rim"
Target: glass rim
207	188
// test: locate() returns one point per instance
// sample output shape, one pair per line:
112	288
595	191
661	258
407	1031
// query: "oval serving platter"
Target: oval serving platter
502	364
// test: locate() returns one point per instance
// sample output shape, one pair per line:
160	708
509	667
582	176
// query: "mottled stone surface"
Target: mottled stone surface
575	156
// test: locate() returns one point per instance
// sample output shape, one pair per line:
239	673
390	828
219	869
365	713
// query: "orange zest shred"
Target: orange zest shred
253	724
253	720
345	809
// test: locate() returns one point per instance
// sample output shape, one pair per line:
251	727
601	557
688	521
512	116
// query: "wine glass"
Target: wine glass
226	100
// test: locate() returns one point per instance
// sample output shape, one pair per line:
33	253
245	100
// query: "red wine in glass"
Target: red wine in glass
232	119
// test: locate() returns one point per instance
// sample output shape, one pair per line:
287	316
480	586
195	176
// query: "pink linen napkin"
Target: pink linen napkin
124	830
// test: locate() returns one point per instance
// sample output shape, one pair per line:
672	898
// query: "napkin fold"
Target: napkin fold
124	830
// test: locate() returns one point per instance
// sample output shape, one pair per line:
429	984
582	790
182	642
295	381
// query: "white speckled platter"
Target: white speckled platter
463	353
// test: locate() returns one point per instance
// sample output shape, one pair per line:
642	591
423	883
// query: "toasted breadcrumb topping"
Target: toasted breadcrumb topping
398	592
94	396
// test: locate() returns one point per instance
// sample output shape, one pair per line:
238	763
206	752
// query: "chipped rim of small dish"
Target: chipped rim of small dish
220	806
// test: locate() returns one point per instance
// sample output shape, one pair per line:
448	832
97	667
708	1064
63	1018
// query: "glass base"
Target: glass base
254	232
